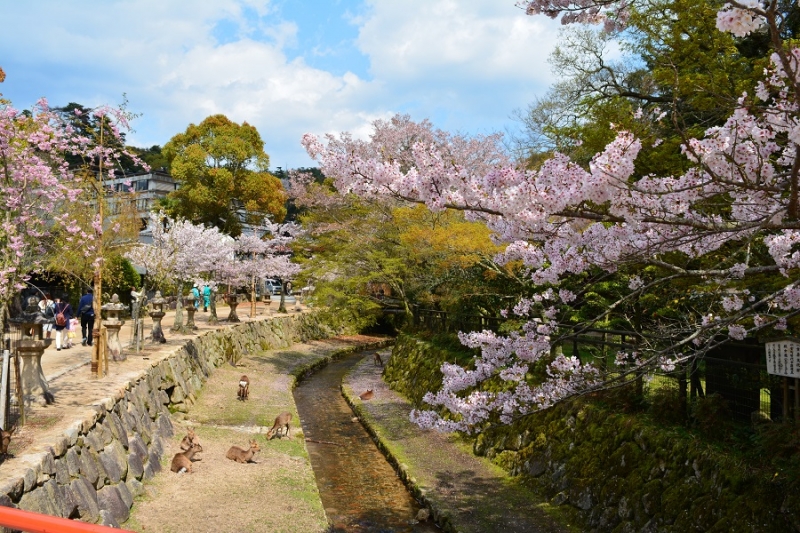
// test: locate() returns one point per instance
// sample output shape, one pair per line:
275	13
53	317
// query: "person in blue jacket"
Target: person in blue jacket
86	312
196	294
206	298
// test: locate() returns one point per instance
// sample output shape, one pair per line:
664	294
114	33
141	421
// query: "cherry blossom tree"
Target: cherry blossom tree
180	251
731	218
37	188
35	183
266	255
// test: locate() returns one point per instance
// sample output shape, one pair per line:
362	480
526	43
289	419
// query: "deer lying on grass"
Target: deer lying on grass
189	439
5	440
243	456
377	359
183	460
244	388
368	395
281	421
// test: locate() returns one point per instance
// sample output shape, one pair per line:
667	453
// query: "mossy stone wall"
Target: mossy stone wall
618	471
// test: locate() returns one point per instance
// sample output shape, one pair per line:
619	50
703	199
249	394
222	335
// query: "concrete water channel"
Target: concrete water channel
359	488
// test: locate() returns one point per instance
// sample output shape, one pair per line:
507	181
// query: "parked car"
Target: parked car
272	287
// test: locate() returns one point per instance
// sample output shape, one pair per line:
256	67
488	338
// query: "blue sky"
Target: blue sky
286	66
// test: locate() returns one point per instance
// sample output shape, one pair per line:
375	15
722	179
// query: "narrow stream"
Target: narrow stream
359	488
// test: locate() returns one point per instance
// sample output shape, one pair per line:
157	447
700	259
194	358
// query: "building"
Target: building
148	188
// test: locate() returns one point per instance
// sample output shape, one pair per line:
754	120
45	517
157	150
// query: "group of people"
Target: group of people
206	294
60	317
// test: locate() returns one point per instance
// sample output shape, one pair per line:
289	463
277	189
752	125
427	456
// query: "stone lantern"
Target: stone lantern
232	299
113	324
190	310
157	313
30	348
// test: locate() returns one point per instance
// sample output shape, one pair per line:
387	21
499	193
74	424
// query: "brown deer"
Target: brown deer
189	439
377	359
183	460
243	456
5	440
368	395
244	388
281	421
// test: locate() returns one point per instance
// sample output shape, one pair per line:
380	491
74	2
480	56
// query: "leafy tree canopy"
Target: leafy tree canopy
223	173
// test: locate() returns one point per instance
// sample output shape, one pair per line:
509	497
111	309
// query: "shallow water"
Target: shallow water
359	488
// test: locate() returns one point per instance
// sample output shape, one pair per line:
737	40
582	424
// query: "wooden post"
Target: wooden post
104	342
18	378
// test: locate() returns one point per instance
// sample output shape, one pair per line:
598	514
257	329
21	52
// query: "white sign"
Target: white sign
783	358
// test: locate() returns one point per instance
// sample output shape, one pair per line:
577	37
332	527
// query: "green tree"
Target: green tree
355	252
153	157
224	179
673	61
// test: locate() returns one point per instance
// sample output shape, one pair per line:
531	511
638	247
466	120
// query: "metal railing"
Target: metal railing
30	522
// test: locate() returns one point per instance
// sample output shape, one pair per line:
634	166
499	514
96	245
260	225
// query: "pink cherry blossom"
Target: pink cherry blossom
550	222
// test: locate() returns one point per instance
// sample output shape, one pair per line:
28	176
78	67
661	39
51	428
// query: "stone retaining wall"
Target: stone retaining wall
95	468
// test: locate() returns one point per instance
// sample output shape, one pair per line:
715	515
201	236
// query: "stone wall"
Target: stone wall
618	471
95	468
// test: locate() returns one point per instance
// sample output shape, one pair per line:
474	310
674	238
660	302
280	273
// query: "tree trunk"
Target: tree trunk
178	324
282	306
138	322
253	297
212	304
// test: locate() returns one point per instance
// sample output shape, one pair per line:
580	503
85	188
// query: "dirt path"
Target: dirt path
275	493
476	495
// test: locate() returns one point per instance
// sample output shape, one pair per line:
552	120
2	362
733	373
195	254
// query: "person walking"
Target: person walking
196	295
86	310
63	313
206	297
46	309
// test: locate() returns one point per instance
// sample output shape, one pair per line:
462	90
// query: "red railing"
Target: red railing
42	523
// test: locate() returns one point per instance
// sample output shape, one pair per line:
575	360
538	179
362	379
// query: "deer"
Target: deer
281	421
244	388
189	439
368	395
376	358
183	460
243	456
5	440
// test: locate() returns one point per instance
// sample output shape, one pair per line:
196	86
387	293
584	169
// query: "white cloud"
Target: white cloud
469	63
469	39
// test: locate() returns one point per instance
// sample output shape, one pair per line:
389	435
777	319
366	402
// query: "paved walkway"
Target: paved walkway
56	363
475	494
69	377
